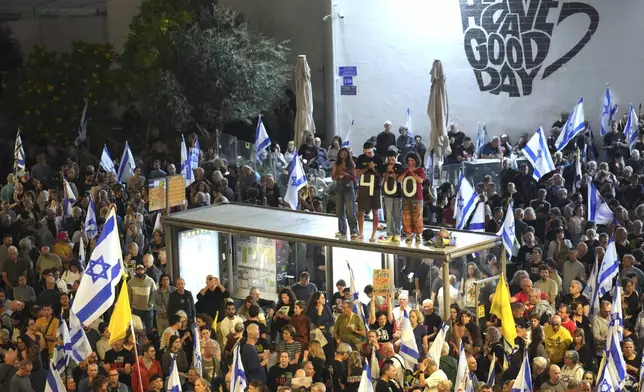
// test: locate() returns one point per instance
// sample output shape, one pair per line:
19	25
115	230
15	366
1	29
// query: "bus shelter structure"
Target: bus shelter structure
234	220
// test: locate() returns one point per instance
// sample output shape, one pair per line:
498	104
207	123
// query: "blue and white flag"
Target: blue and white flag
613	372
194	152
126	166
491	374
345	143
436	348
537	152
174	382
81	252
106	161
408	348
523	381
238	382
616	319
462	370
576	183
262	140
408	123
366	385
507	232
477	223
296	181
573	126
589	290
82	128
96	292
54	383
598	210
466	200
63	348
68	198
81	348
607	271
197	360
481	138
19	164
632	128
609	109
91	229
355	297
186	167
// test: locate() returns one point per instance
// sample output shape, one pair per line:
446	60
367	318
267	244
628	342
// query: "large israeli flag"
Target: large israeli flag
477	223
491	374
408	347
609	109
536	151
126	166
507	232
366	385
598	210
296	181
186	167
63	351
607	271
632	128
91	229
589	290
523	381
613	372
262	140
197	360
238	381
54	383
96	292
436	348
462	370
576	183
345	143
174	382
481	138
19	164
81	349
466	200
616	316
68	198
106	161
573	126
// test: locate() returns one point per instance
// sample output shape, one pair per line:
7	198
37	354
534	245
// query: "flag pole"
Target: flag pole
136	354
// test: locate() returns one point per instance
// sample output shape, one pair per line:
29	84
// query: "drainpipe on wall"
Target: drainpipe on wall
330	84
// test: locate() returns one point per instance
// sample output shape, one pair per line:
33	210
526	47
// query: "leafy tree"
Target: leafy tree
210	68
10	65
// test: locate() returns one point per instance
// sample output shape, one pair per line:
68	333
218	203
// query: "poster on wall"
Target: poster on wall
255	265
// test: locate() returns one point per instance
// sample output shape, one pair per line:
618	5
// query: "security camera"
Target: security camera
341	15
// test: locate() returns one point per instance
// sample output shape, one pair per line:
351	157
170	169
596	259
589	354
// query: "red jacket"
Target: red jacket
145	375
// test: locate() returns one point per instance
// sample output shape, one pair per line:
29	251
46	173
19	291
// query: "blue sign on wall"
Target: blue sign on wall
348	81
351	70
348	90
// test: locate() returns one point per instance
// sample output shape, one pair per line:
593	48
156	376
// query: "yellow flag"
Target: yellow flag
121	317
214	322
501	309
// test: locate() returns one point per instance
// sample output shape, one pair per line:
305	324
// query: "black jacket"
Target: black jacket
183	302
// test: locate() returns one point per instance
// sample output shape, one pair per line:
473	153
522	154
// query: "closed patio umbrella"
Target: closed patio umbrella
304	101
438	112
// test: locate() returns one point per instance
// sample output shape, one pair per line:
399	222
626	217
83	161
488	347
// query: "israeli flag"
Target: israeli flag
63	351
514	164
186	167
408	347
106	161
357	304
174	382
436	348
478	218
82	129
609	109
81	253
462	370
197	360
537	152
481	138
616	320
576	184
608	270
238	381
366	385
632	128
54	383
598	210
81	349
127	165
466	200
19	164
345	143
408	123
573	126
68	198
96	291
523	381
507	232
194	155
262	141
612	375
589	290
296	181
491	374
91	229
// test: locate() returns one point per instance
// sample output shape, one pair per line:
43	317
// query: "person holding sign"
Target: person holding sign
412	197
369	168
393	197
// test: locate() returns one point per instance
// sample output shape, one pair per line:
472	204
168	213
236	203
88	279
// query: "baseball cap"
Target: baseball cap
140	266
